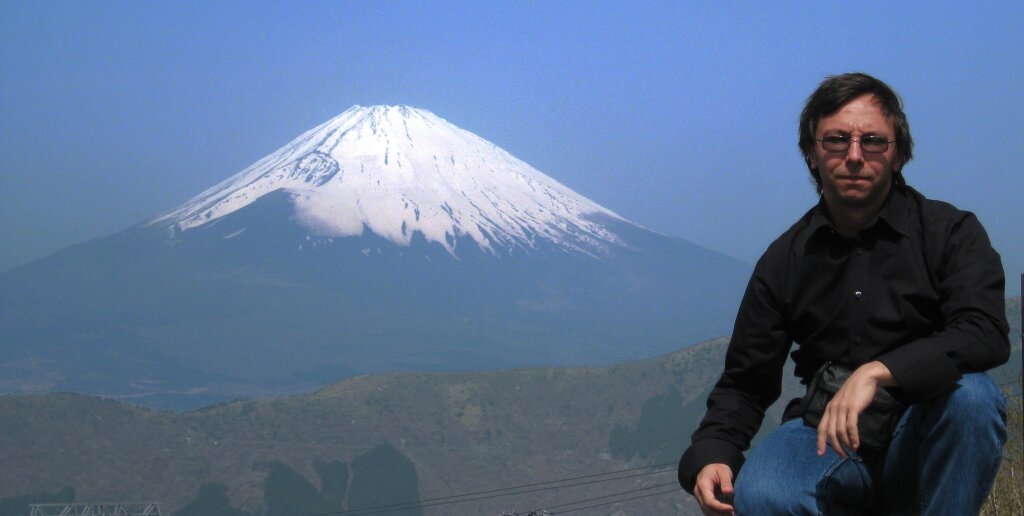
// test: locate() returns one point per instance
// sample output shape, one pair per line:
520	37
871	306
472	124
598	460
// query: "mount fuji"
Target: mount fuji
385	239
396	171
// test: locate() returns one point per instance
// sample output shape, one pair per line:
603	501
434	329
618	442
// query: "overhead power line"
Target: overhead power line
659	493
509	491
615	498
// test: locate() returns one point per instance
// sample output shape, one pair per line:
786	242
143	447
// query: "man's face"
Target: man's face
853	179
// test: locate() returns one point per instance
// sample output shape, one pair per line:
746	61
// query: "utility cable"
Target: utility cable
508	491
659	493
544	486
613	495
495	494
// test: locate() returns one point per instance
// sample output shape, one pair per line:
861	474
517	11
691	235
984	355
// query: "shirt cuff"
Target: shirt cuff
921	368
702	453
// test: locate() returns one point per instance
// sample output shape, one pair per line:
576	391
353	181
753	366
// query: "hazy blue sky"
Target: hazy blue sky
680	116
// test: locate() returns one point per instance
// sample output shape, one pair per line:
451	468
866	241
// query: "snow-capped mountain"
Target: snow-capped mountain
397	170
386	239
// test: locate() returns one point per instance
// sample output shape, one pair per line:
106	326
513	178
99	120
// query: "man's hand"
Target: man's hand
714	479
839	422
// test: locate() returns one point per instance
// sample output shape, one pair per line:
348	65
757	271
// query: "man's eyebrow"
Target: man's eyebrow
881	133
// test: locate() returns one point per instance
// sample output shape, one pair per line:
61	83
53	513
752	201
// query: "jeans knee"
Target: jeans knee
847	489
766	497
973	412
765	489
976	399
837	490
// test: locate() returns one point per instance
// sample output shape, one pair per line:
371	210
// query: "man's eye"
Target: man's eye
835	139
874	140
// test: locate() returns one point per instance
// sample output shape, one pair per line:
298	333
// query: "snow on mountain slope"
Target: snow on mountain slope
395	170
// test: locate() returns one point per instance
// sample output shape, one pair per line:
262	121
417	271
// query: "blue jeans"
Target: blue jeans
942	459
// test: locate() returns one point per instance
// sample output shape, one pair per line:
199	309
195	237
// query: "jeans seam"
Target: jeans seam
820	498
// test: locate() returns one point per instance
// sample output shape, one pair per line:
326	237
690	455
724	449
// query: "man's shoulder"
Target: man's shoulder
933	214
797	234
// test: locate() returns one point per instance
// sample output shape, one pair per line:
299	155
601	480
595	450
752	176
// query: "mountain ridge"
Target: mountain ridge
397	170
465	432
254	301
462	432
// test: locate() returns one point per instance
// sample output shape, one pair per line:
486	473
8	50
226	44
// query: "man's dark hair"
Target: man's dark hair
837	91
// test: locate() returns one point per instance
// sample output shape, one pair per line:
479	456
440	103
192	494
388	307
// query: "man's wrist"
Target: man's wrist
704	452
880	373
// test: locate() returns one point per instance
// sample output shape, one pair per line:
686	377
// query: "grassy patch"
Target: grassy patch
1007	496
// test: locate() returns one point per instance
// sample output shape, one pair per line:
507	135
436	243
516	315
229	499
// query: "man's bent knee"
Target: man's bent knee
975	402
839	486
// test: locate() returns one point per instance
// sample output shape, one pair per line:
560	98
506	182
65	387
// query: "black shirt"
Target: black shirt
920	289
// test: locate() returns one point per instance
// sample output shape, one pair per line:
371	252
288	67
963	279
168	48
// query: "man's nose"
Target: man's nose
854	152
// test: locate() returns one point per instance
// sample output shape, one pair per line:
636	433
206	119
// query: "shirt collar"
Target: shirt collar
896	211
894	214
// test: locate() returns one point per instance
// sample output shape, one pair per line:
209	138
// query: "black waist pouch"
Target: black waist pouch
875	425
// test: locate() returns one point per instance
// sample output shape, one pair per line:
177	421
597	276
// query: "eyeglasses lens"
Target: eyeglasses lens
841	144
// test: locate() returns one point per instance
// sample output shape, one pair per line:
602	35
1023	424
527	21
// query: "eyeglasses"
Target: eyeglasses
868	144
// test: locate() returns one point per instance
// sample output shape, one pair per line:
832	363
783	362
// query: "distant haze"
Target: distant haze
385	239
680	117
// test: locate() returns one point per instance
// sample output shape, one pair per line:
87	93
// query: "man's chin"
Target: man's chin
856	198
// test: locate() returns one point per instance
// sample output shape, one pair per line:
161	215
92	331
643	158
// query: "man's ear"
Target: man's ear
812	161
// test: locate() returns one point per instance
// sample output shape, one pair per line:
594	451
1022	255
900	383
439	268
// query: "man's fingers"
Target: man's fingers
833	435
839	421
832	430
726	485
712	478
705	490
713	506
839	439
847	437
823	433
852	434
705	495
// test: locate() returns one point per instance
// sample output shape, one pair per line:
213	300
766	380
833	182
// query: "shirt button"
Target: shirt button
857	339
859	250
858	294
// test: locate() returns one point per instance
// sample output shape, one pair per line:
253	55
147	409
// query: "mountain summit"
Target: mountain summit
397	170
386	239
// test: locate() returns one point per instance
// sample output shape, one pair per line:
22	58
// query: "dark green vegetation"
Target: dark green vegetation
381	477
661	420
366	441
212	501
18	505
376	440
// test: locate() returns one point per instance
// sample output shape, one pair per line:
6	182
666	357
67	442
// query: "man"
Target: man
905	291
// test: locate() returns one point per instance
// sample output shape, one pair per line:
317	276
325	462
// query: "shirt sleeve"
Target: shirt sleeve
975	334
750	383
